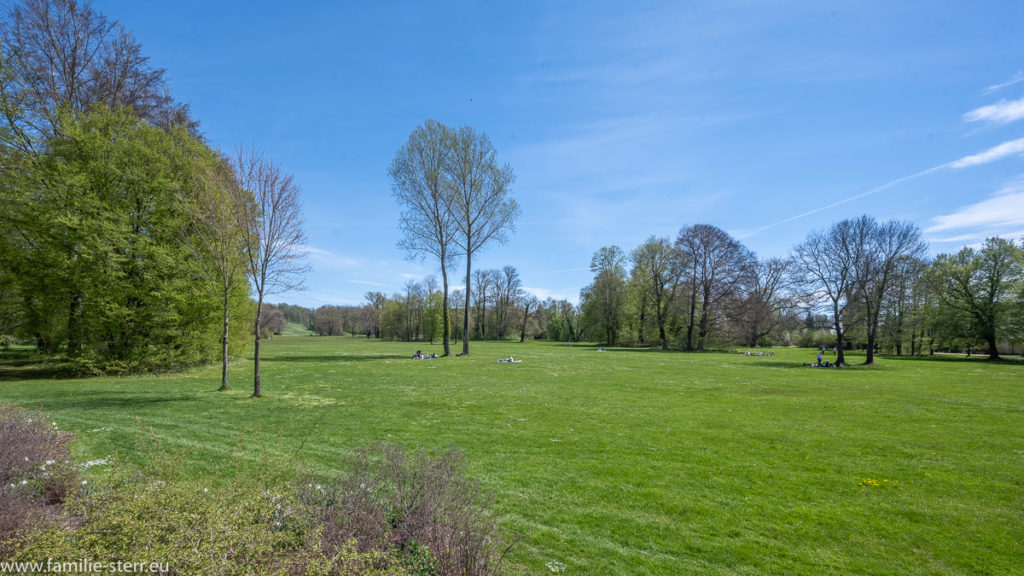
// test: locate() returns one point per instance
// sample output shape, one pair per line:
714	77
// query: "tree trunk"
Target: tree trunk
446	325
993	348
224	343
840	356
872	320
256	390
643	320
75	324
689	325
465	319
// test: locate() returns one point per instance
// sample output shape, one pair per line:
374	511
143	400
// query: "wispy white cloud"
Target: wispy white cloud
1002	112
871	192
999	152
1015	79
372	283
1001	214
326	259
1004	150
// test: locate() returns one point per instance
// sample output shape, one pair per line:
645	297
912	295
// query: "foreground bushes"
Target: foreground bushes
418	506
35	473
390	514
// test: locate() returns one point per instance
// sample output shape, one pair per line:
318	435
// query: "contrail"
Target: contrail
1010	148
845	200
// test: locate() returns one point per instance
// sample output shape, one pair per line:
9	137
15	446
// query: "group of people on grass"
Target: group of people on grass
760	354
825	363
419	355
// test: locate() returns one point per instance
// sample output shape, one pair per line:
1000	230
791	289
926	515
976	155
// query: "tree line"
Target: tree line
126	241
859	283
500	310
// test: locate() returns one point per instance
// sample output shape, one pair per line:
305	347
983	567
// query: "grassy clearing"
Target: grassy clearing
624	462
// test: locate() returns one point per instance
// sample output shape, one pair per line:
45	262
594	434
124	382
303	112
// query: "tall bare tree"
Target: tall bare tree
768	298
64	53
886	247
419	184
527	306
719	268
479	201
271	224
827	263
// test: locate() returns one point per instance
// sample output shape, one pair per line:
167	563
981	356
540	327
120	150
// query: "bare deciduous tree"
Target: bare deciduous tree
768	298
479	200
418	183
271	225
719	266
65	53
886	246
528	307
827	262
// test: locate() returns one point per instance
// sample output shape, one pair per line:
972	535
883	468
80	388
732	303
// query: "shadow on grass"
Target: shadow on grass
27	365
341	358
955	358
79	400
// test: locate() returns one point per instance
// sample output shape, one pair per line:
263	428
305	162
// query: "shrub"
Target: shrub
35	472
392	514
244	528
418	506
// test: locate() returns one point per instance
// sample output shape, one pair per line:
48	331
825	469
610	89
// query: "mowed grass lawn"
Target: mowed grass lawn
623	462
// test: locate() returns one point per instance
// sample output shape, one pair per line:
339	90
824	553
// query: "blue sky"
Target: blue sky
622	120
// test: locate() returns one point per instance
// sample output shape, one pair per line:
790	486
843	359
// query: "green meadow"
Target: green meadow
621	462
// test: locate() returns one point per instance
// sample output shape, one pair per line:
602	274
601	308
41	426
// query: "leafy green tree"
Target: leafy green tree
99	254
982	284
603	300
433	313
657	270
215	206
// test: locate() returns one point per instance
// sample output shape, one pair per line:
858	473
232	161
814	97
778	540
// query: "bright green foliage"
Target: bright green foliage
978	291
604	301
433	316
97	246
